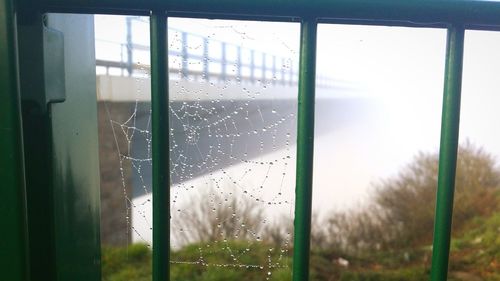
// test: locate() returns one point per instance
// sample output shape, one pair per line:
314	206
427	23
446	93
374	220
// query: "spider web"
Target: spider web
231	161
232	156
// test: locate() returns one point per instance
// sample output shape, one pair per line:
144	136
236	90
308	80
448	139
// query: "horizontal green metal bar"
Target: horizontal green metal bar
14	240
448	153
160	142
305	150
470	12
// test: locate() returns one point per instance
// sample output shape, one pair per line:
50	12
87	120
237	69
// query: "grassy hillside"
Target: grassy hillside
475	255
388	240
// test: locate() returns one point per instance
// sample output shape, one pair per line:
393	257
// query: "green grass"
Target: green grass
403	274
234	260
477	250
126	263
474	251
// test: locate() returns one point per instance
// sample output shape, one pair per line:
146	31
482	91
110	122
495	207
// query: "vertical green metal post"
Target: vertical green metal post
305	150
160	139
448	153
14	241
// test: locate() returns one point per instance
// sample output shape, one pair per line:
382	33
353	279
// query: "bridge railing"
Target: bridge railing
242	64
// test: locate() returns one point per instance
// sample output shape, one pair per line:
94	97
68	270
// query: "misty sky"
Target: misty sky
393	110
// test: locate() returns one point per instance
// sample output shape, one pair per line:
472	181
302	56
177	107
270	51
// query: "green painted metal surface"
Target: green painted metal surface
37	131
62	168
305	150
75	155
13	242
448	153
160	146
475	12
35	91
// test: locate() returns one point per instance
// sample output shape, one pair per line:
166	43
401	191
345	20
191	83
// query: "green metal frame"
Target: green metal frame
305	150
60	146
448	152
456	15
14	242
160	142
469	12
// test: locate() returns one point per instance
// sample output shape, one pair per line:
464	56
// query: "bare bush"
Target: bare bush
402	211
213	215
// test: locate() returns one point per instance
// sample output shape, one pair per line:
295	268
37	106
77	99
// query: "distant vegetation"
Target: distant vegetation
390	239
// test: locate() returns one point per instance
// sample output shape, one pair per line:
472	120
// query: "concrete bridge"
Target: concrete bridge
258	90
231	111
